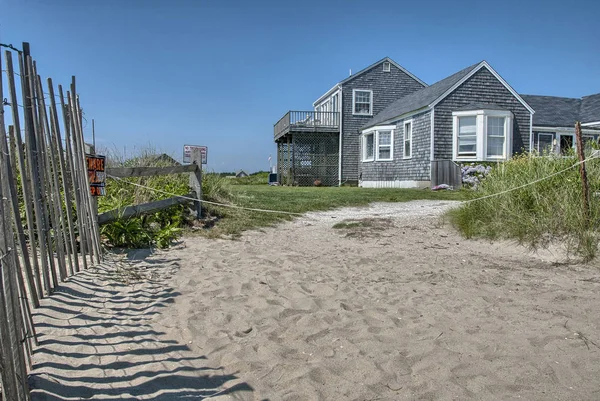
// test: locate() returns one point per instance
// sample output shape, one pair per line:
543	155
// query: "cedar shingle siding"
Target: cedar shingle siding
415	169
386	87
482	87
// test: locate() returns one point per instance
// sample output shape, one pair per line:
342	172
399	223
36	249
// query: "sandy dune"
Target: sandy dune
400	309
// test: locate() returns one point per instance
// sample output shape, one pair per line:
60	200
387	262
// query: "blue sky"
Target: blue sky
221	73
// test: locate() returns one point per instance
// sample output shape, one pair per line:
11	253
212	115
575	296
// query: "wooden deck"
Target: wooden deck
307	121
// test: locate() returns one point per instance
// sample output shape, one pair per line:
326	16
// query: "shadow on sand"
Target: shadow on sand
96	341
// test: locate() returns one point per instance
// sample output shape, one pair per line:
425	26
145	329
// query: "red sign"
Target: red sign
96	168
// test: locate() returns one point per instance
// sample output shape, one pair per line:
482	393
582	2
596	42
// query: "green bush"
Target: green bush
157	229
537	214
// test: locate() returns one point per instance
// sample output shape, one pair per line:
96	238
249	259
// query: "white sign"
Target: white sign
188	149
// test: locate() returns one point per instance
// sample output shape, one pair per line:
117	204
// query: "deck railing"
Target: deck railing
307	119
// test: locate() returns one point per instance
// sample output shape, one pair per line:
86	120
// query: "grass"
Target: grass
305	199
537	215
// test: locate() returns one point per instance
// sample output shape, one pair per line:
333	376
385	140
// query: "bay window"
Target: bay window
378	144
480	135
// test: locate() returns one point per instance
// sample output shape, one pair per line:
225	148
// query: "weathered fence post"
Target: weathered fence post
583	172
196	181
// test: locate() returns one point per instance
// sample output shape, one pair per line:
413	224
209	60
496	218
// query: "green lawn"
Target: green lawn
305	199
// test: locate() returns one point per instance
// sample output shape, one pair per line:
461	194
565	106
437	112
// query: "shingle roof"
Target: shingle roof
590	108
420	98
554	111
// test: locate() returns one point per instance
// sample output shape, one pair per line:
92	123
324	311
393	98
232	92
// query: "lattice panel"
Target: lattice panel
313	156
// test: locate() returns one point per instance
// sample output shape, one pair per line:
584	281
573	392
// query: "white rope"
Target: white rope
532	182
204	201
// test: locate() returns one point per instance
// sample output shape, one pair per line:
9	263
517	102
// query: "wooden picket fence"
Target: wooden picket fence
48	225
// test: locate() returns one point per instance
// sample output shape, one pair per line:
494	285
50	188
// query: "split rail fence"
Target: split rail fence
48	225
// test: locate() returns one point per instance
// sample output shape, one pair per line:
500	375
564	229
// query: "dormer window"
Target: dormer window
387	66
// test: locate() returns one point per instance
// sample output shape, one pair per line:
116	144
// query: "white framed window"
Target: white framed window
545	144
408	139
384	145
362	102
496	137
369	147
378	144
481	135
387	66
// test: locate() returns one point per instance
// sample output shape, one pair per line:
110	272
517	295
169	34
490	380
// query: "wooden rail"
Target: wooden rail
144	208
307	121
123	172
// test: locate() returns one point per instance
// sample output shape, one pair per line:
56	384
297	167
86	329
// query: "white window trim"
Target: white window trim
366	159
551	135
388	65
375	132
481	130
404	139
354	102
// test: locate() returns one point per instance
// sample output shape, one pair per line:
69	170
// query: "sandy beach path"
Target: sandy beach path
395	306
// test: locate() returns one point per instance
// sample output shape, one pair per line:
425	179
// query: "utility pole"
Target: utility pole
93	134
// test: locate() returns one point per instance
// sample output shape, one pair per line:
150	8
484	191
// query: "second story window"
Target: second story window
362	102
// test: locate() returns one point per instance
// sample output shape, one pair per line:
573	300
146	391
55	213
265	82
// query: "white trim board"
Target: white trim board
394	184
570	130
470	74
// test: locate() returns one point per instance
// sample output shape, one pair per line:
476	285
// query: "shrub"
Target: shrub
157	229
537	214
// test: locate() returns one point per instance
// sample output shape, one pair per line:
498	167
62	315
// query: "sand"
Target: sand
396	306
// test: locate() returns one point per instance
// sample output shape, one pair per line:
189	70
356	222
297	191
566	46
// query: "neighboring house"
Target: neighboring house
554	121
241	174
473	115
323	144
399	132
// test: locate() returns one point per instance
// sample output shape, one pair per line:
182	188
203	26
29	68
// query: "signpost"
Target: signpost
96	167
189	149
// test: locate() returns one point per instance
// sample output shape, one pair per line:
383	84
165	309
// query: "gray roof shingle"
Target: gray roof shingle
590	108
554	111
420	98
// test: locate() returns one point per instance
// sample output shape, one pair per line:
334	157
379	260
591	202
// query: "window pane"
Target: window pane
467	126
369	146
407	148
495	146
495	126
407	131
385	152
467	145
385	138
545	143
362	102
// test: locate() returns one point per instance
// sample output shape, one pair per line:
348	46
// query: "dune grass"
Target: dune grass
537	215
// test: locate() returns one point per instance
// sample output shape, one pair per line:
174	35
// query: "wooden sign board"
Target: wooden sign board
96	167
187	153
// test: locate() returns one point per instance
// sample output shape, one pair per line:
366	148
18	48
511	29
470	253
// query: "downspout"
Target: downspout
340	108
530	132
432	143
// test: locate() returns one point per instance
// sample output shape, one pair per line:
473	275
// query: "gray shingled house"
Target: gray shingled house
323	144
553	122
383	127
471	116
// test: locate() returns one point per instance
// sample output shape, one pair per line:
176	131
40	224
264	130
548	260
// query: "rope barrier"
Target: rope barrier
302	214
204	201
